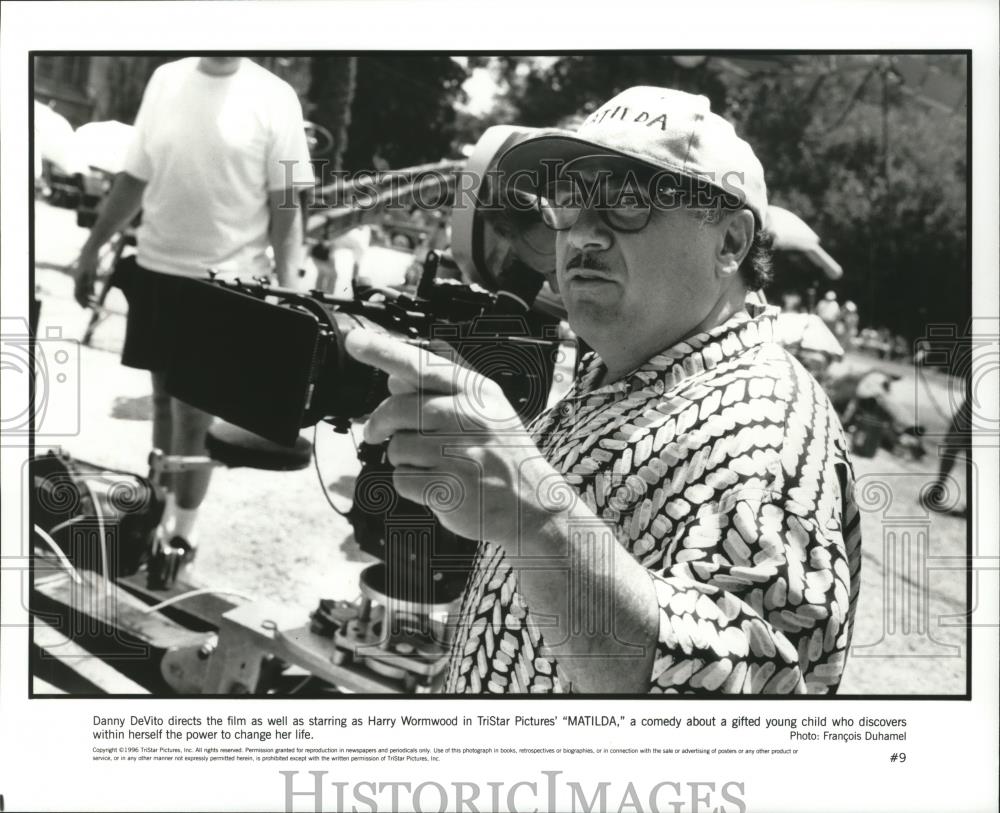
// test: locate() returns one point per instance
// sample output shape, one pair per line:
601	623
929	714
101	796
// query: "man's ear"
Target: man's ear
736	240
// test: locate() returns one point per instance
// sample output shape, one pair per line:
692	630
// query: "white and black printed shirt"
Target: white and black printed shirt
722	468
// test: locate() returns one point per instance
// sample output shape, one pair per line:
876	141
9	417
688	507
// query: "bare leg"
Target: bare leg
957	440
163	420
949	456
190	426
177	429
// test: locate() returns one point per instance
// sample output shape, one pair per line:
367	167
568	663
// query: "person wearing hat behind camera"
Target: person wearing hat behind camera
683	520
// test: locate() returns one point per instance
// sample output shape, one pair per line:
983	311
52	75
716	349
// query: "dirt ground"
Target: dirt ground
274	536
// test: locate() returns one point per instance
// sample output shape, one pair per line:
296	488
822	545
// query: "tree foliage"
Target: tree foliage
845	140
404	110
331	96
576	85
116	85
879	174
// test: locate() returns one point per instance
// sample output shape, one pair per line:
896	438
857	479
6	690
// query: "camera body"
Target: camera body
272	361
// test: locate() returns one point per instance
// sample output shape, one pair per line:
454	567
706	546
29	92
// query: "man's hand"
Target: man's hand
450	429
84	272
457	444
119	208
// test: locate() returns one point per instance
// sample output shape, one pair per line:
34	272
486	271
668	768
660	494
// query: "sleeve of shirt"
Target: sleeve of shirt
768	613
138	162
288	164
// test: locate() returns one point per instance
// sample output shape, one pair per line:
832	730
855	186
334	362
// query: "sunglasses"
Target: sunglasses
624	206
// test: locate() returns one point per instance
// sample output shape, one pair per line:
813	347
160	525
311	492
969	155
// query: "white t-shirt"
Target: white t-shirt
210	149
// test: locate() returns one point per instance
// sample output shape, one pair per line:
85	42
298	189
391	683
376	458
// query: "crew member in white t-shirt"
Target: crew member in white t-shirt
216	164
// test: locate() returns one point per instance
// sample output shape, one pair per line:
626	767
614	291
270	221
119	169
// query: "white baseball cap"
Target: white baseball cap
658	127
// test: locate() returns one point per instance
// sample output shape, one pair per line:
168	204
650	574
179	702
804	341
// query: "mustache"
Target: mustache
585	261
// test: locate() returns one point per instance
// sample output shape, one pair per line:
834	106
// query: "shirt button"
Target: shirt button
566	410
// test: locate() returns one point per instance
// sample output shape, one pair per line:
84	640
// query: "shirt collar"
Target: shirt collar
695	354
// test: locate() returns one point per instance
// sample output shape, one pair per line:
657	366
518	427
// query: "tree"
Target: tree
331	93
116	85
404	110
542	94
879	174
846	143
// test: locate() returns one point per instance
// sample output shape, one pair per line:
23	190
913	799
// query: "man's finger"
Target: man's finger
414	449
398	413
440	347
410	412
412	483
397	386
84	289
412	365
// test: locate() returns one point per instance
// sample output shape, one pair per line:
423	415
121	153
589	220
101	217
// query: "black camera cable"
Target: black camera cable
319	474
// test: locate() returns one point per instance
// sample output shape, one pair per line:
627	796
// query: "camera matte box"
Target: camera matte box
242	359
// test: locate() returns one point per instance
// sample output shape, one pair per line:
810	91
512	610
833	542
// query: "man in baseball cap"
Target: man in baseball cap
669	132
683	520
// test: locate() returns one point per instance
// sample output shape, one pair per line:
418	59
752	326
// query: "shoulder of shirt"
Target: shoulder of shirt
166	75
772	353
178	66
261	74
767	360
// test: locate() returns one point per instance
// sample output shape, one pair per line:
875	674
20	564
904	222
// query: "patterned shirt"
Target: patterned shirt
721	467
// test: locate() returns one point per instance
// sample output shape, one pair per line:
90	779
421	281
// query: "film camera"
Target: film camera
272	361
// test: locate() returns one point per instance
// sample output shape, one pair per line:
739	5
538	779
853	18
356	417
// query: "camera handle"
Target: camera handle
425	288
